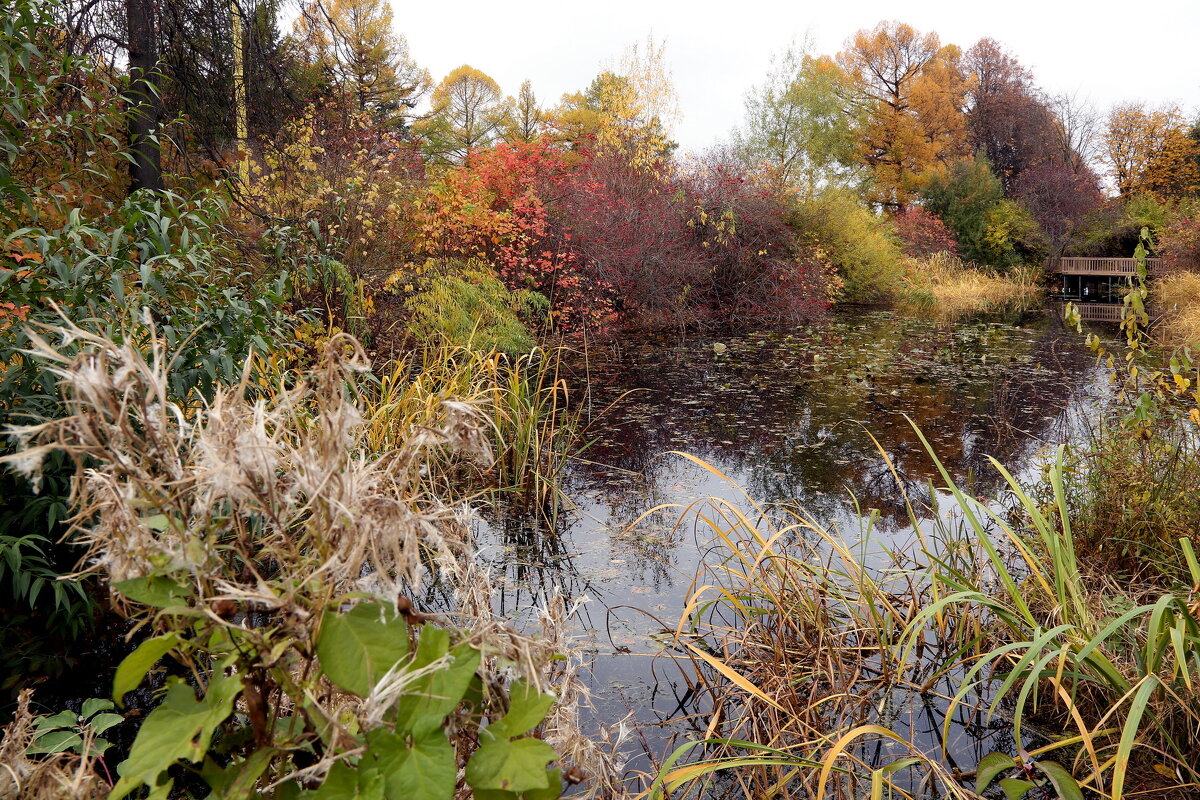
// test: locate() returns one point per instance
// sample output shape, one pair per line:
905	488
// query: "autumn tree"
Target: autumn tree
628	109
1150	150
523	119
1078	127
350	46
1061	198
467	114
1006	119
912	91
798	125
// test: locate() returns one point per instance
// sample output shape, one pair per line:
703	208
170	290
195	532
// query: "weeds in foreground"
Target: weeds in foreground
63	773
799	644
281	572
1133	485
950	287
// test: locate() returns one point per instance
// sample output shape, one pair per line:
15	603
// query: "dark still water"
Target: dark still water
789	417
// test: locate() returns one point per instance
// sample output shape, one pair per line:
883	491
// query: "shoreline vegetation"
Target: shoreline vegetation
945	285
280	316
1179	295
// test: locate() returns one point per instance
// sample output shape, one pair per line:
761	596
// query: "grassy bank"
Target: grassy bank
946	285
1179	297
811	659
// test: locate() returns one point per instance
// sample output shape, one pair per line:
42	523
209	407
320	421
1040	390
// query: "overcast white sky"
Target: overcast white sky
1110	51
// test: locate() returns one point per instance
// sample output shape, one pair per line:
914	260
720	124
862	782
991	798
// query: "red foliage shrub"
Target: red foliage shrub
607	242
629	227
758	270
922	233
494	209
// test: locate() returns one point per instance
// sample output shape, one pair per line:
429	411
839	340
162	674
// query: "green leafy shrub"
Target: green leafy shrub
990	230
82	733
859	244
148	265
466	305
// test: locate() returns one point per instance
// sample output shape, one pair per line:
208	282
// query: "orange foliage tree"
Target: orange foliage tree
912	90
1150	151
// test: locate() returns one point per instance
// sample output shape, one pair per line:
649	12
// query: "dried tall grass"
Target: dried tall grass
524	406
1178	295
800	647
950	287
793	639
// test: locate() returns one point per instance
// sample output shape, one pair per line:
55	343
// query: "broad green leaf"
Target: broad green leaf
419	769
63	719
516	766
1015	788
158	522
424	706
135	665
238	780
552	791
179	729
55	742
93	705
102	722
359	647
157	591
527	707
1064	783
989	767
348	783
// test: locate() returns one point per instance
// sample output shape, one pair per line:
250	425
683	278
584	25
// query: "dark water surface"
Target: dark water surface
788	416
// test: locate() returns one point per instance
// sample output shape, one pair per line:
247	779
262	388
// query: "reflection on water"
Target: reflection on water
790	417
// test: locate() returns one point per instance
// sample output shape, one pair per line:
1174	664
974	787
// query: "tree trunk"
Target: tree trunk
145	170
239	94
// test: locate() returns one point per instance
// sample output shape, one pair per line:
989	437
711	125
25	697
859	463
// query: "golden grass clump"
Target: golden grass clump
950	287
1178	295
524	410
792	640
806	651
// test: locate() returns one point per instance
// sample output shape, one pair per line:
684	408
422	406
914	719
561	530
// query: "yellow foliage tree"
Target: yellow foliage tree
912	92
352	45
628	109
467	114
355	181
523	119
1149	151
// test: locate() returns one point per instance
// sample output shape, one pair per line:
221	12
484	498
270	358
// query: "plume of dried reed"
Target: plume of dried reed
267	508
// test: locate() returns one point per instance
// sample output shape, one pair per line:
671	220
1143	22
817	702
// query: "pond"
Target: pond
801	418
789	417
